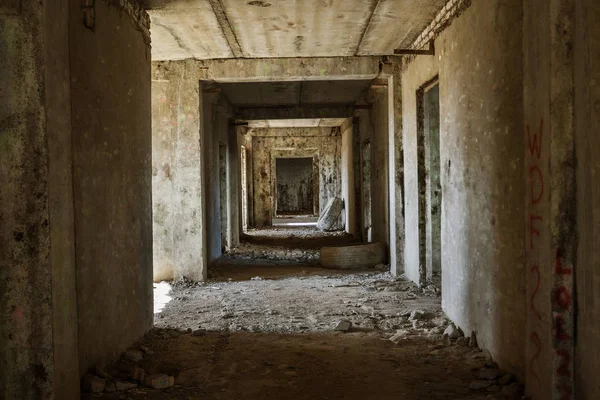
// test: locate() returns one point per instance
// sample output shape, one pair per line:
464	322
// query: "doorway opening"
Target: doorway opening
294	187
366	189
430	189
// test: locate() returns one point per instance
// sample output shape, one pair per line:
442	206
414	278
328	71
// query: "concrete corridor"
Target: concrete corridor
174	175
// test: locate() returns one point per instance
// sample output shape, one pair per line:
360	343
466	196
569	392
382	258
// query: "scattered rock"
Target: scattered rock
343	326
146	350
134	355
462	341
506	379
119	385
416	315
489	374
93	384
98	370
452	332
398	336
511	390
480	384
160	381
257	278
199	332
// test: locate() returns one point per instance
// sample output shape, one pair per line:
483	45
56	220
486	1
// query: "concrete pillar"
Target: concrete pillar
551	196
396	175
178	173
38	305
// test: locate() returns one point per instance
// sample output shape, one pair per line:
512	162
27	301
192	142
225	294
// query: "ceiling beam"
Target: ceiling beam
227	29
293	112
286	69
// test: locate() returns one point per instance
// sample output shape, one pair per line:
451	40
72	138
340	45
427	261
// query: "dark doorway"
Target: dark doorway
294	183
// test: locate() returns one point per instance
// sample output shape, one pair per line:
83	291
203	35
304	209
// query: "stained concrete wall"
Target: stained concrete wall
324	143
479	62
177	170
587	125
112	173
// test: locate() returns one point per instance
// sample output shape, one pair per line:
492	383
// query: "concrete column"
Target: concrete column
178	177
551	190
396	175
38	304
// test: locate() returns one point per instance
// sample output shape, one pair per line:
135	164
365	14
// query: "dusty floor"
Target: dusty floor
264	329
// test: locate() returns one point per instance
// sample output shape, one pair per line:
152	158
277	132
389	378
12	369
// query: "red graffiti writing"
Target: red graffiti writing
535	141
536	172
562	298
535	339
532	229
560	269
536	269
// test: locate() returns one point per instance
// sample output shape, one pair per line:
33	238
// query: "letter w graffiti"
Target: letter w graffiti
535	141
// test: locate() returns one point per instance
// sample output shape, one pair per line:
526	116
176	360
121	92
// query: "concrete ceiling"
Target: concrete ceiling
277	94
207	29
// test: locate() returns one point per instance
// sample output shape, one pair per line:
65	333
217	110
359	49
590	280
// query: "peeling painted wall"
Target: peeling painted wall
325	143
479	61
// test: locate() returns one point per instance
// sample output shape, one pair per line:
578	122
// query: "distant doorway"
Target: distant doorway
294	187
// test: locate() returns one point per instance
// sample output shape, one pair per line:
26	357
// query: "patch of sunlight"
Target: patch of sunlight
161	296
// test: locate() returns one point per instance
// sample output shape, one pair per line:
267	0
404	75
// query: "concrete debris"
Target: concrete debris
160	381
146	350
134	355
398	336
343	326
480	384
416	315
489	374
452	332
99	371
199	332
93	384
512	390
506	379
462	341
257	278
120	385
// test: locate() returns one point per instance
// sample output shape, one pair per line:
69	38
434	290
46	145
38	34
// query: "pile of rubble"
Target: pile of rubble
125	375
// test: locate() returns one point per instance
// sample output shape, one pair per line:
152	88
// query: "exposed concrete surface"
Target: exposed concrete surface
285	28
60	201
382	125
347	170
177	185
26	314
587	114
324	143
396	170
110	93
482	165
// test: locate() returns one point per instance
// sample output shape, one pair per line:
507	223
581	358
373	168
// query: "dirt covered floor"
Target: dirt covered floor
265	327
